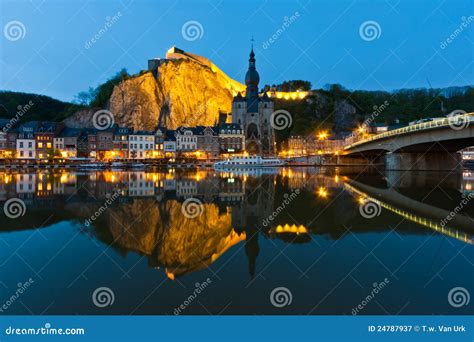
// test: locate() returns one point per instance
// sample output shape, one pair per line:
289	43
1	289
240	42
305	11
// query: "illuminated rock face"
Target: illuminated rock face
185	92
168	238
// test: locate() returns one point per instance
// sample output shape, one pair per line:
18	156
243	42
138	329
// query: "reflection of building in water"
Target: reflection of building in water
140	185
304	178
467	184
66	184
231	190
186	188
291	233
249	214
25	183
44	185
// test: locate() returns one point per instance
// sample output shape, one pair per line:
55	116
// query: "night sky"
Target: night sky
324	41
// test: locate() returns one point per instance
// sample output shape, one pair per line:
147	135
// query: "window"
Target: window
21	144
30	144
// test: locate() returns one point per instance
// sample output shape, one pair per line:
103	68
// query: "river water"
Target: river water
268	241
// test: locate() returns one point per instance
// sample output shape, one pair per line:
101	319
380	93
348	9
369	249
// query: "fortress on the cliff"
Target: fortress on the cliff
175	53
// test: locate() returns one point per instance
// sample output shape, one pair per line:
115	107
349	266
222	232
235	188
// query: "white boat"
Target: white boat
248	162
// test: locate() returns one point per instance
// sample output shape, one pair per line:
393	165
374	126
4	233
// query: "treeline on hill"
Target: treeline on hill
339	110
46	108
33	107
99	96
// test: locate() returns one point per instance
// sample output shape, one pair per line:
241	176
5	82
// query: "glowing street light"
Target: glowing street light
322	135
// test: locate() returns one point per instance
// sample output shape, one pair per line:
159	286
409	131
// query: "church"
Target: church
253	113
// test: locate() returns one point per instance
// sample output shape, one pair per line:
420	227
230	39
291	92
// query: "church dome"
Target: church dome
252	77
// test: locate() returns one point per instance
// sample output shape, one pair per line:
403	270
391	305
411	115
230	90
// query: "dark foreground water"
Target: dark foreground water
283	241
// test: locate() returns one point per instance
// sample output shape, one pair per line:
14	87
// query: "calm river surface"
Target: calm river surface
282	241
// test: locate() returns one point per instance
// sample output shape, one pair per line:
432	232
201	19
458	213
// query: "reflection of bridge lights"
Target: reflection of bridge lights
451	232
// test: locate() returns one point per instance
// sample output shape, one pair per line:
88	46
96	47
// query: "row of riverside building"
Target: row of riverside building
44	140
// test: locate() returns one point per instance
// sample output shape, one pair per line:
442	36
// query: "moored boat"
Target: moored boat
249	162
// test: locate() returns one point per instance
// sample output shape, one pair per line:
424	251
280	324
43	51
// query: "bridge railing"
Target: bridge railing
412	128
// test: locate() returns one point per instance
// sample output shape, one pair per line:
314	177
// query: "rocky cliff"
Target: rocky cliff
166	236
184	92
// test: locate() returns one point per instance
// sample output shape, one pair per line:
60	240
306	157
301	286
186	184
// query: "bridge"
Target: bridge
432	145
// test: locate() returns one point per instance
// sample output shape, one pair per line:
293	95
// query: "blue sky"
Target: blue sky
322	44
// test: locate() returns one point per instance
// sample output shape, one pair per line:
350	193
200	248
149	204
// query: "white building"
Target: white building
141	145
25	142
186	140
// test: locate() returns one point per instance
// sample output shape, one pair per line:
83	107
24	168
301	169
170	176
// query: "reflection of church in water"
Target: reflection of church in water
249	214
254	113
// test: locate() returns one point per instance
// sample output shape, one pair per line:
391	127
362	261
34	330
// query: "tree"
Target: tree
52	153
85	98
104	91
